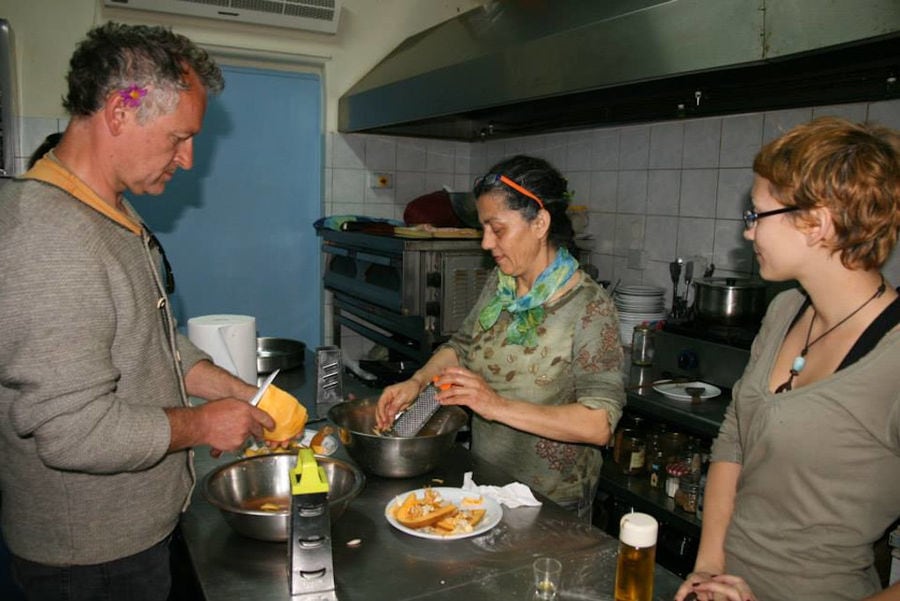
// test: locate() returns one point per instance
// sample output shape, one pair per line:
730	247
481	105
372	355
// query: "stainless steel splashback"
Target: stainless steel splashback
9	129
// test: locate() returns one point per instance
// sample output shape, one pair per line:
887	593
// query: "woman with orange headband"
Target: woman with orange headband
538	358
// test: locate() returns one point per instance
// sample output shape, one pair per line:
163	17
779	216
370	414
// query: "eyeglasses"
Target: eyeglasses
491	179
170	277
751	216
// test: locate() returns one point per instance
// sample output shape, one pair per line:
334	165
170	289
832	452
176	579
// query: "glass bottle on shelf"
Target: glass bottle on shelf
658	469
632	455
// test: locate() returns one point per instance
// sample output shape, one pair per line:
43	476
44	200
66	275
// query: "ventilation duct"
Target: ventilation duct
308	15
516	67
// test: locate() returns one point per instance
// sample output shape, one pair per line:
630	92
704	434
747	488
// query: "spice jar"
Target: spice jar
618	442
642	345
687	496
674	474
672	444
631	458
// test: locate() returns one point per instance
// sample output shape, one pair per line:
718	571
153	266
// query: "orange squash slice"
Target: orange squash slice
289	415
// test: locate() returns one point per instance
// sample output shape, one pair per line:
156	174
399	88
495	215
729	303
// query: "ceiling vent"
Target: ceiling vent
309	15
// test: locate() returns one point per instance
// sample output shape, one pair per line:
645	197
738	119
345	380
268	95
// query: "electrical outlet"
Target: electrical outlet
381	181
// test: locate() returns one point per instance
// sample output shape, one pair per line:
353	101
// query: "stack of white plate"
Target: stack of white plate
637	304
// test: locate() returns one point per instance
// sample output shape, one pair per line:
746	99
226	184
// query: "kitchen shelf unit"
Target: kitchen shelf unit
679	532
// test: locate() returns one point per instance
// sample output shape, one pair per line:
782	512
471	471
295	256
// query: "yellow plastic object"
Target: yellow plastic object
307	476
289	415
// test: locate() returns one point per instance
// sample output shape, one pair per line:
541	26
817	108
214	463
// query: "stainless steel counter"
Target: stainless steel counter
391	565
700	420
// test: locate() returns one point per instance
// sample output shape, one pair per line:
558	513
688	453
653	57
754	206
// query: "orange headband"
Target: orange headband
521	190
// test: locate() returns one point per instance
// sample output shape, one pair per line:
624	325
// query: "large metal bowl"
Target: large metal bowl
239	488
390	456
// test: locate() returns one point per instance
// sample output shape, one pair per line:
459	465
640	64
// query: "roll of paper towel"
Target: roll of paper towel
230	340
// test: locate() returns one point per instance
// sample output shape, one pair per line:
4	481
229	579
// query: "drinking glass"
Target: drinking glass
547	577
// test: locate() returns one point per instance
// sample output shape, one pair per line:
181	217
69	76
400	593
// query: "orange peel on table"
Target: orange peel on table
433	514
289	415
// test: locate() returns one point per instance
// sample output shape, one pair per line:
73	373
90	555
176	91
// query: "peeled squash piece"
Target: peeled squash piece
427	519
289	415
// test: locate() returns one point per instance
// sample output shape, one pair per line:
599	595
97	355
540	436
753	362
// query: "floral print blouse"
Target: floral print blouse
577	359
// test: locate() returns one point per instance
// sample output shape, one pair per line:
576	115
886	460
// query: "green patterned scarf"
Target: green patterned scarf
527	311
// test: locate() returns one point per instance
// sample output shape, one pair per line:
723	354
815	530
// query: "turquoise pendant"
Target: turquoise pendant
799	364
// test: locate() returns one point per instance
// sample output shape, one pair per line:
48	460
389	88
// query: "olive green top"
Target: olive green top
819	470
578	358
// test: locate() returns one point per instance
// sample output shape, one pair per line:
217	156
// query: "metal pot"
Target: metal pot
278	353
729	301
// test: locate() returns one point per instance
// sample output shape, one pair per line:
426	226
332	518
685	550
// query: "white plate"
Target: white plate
677	390
493	512
640	291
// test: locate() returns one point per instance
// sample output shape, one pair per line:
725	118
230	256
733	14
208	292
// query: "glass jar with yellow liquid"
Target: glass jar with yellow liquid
637	557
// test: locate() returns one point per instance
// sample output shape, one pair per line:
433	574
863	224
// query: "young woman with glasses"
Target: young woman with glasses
804	472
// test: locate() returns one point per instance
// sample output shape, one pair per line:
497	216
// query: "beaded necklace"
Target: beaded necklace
800	360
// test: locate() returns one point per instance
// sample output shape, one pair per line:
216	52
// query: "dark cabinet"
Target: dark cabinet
620	492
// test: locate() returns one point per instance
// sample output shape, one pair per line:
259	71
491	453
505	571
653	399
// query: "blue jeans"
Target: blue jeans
144	576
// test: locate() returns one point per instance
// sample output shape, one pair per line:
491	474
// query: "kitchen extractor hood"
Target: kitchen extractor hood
517	67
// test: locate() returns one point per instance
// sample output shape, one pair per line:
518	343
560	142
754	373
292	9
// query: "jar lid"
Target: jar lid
638	530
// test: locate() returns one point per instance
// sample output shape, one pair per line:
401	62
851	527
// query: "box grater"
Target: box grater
414	418
309	546
329	378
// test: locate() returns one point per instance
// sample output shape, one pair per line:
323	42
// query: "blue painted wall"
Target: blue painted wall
237	228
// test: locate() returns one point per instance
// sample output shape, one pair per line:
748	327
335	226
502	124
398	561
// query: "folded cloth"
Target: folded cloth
345	222
512	495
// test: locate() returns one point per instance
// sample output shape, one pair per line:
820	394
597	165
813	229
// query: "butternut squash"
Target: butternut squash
289	415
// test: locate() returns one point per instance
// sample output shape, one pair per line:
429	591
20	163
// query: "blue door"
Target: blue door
238	228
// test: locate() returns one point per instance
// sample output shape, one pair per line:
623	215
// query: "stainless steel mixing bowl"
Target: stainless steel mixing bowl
395	457
240	488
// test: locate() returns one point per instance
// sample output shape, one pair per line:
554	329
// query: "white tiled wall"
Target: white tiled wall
655	192
416	167
672	189
32	132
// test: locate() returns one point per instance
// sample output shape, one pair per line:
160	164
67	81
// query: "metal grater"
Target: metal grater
309	546
329	378
417	415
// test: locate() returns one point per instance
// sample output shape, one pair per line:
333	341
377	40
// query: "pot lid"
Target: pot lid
731	283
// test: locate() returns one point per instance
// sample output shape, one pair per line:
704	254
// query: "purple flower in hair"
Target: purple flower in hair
131	96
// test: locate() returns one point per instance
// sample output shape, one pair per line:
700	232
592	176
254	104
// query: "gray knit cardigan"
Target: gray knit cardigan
89	357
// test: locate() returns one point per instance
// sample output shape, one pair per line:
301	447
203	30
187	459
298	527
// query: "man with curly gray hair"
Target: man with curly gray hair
94	377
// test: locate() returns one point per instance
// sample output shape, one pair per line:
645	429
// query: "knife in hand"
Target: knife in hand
262	389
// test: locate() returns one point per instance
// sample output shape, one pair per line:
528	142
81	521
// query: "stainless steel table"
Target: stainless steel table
392	565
